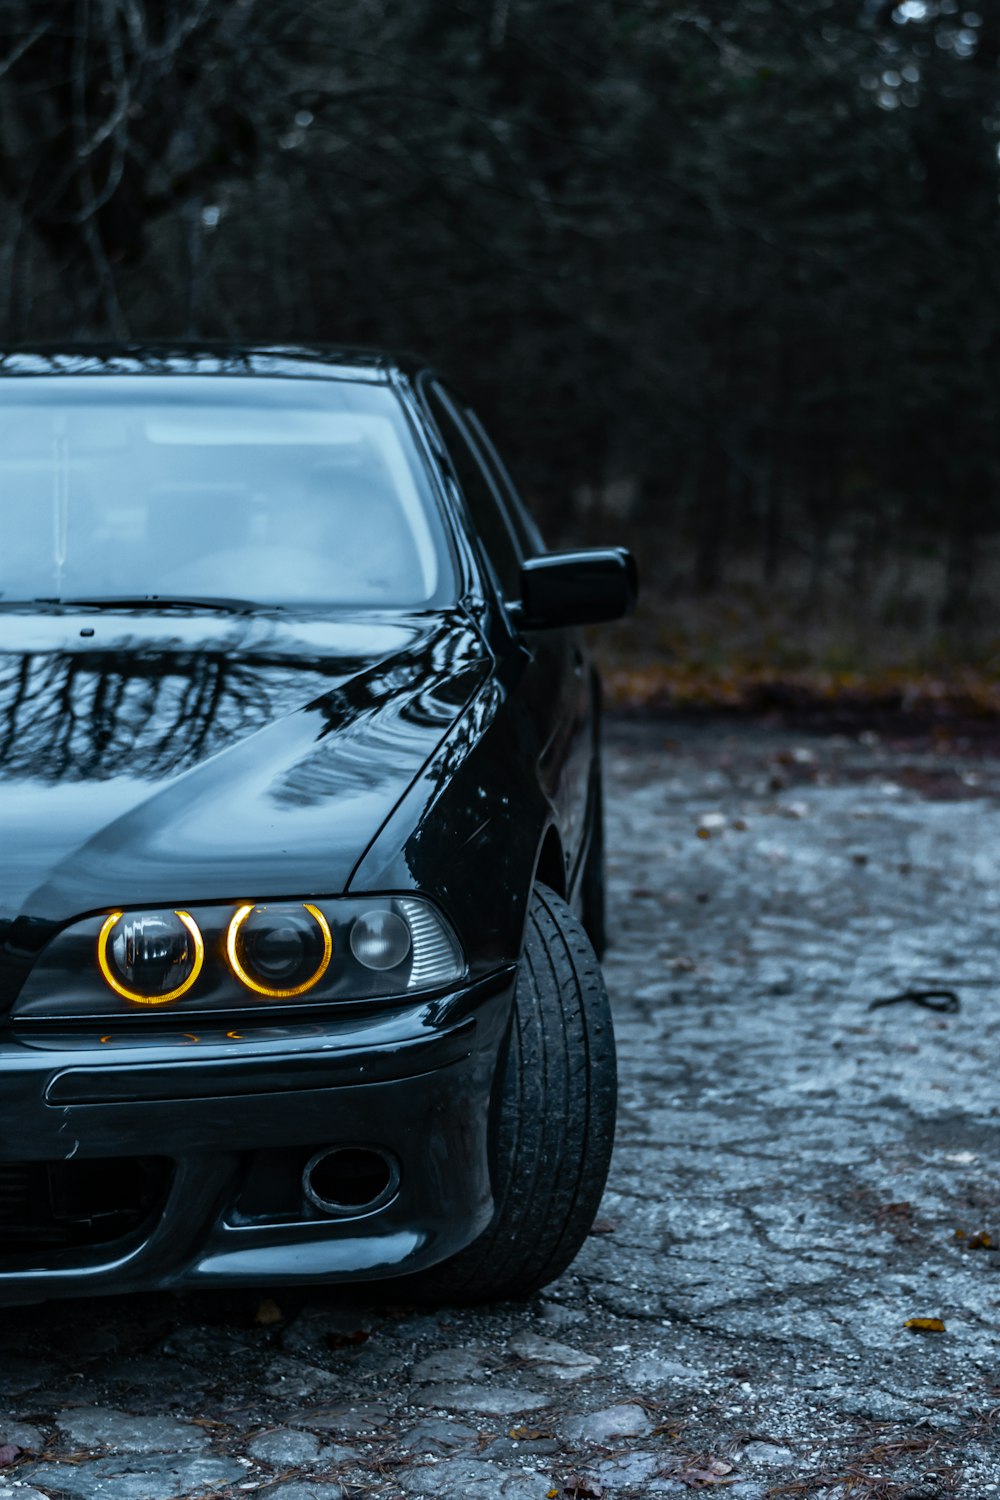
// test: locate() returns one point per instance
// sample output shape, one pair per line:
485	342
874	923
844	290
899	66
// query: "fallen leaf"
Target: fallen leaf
716	1472
343	1340
980	1241
527	1434
579	1487
925	1325
268	1313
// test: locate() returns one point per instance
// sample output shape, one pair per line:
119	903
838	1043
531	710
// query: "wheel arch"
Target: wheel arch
550	867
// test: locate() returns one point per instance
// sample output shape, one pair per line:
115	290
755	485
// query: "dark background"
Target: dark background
721	276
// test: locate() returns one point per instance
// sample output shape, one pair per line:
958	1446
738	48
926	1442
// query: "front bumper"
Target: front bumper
211	1107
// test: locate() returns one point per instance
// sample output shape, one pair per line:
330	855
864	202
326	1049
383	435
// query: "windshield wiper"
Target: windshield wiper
163	601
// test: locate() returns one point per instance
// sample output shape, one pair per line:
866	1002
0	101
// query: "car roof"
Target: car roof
182	357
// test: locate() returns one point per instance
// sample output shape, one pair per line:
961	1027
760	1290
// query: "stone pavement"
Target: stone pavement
797	1177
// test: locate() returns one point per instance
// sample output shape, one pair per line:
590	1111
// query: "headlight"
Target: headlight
227	957
380	940
150	958
279	951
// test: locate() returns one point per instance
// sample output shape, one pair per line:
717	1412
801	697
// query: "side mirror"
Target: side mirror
577	588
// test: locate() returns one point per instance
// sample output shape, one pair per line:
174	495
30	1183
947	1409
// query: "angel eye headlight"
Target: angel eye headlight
151	957
279	951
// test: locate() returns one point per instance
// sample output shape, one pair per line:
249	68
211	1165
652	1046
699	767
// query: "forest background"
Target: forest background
721	276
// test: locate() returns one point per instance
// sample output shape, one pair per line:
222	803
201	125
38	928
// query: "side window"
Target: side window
485	506
524	522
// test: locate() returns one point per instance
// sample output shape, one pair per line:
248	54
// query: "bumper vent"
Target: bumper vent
77	1203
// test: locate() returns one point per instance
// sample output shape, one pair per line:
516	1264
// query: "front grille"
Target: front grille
75	1204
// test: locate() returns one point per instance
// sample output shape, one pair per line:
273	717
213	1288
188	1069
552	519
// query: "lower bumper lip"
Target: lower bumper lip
423	1098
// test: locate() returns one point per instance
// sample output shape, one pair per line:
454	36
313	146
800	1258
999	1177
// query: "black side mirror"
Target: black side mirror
577	588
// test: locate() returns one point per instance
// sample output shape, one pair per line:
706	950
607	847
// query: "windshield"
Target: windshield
275	491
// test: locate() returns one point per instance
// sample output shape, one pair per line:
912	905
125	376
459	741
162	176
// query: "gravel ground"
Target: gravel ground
797	1177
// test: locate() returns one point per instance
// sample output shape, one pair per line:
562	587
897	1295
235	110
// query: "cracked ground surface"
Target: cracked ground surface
796	1177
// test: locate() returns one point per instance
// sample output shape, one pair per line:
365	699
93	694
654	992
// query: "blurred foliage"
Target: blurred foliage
723	272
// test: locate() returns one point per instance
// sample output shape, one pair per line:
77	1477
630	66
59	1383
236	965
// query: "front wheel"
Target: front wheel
556	1119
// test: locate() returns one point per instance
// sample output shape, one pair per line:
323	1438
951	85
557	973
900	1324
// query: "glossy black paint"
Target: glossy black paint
162	757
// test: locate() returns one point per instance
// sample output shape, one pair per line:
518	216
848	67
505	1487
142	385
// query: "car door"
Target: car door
557	683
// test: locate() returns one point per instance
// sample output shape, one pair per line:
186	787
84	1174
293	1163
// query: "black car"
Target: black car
300	834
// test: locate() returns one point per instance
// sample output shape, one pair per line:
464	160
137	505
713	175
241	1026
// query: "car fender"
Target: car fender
470	831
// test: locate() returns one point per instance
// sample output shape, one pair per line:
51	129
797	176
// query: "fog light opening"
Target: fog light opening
349	1180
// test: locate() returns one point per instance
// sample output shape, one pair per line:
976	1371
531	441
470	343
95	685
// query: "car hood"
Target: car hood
153	760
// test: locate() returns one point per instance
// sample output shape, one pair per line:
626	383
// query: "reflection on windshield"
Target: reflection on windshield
274	491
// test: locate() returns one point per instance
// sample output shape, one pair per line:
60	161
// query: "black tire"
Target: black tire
555	1122
592	890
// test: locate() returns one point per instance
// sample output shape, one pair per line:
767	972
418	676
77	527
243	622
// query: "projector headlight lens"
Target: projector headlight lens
279	951
150	958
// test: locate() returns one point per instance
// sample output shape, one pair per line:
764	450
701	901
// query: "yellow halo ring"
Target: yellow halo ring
262	989
175	994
